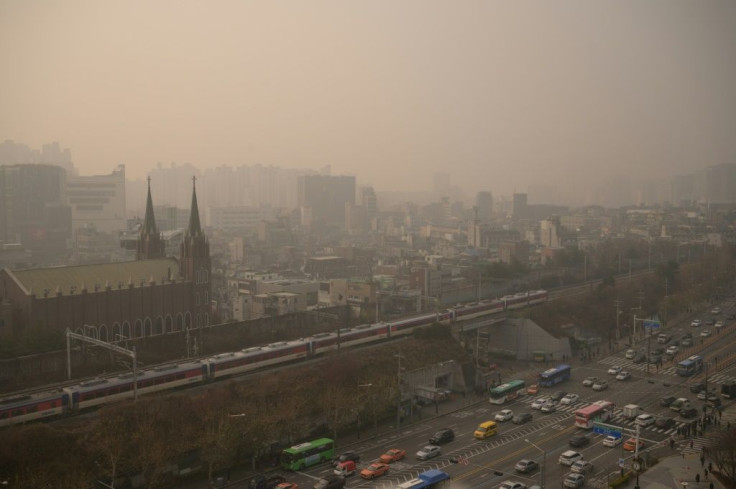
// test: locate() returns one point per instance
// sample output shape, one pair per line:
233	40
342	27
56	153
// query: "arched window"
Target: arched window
102	334
158	327
148	327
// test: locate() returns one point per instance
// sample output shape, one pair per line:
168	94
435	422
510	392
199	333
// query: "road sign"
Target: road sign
651	324
608	430
621	462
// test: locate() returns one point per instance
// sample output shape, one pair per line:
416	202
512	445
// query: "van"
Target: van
680	404
485	430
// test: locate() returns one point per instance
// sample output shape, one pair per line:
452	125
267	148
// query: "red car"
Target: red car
374	470
630	444
532	389
393	455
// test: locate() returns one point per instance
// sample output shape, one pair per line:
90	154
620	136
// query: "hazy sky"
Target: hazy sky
500	94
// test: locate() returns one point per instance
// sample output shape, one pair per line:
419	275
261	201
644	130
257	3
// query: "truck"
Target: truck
434	479
728	390
631	411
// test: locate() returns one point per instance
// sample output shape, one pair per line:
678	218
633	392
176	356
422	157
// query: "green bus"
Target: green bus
307	454
507	392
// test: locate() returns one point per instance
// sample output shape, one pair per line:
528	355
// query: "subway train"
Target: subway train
92	393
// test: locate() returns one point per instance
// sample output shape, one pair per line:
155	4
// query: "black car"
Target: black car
664	423
442	436
558	395
688	413
666	401
731	317
330	482
579	441
262	482
521	418
714	401
640	358
696	388
344	457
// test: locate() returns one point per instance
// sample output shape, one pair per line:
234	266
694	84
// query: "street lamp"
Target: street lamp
544	461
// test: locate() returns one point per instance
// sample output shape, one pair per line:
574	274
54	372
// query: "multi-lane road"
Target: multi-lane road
476	464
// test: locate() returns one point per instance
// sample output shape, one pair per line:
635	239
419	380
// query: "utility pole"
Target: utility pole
618	313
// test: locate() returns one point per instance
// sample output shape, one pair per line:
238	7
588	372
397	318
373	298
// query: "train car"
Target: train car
364	333
20	409
406	326
234	363
96	392
479	309
524	299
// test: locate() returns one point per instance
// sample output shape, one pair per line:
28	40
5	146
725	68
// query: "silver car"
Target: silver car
574	480
428	452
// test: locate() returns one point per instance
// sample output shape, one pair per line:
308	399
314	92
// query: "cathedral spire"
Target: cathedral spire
150	243
194	227
149	222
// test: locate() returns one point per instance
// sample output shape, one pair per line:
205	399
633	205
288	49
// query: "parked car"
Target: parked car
611	441
392	455
374	470
666	401
574	480
664	423
442	436
630	444
570	399
428	452
526	466
623	375
504	415
600	385
569	457
578	441
589	381
522	418
582	467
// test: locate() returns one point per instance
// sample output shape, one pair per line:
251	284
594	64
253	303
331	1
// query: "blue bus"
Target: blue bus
431	479
553	376
690	366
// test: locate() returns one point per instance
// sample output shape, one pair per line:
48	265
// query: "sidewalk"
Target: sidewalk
673	471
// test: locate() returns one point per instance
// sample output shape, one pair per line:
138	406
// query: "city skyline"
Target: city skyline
506	97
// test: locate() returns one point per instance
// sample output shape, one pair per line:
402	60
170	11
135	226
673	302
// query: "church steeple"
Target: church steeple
195	229
195	265
150	243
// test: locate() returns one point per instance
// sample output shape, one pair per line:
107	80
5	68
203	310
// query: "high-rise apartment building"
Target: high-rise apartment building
484	203
98	200
327	195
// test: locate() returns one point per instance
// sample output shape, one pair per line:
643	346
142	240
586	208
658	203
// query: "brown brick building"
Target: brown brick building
150	296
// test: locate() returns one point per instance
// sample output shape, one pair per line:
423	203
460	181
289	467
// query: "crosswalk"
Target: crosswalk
670	370
616	419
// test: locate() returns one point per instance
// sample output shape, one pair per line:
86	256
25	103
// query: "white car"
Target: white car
705	333
504	415
696	323
589	381
569	399
582	467
539	402
645	419
623	375
715	310
719	324
600	385
569	457
511	485
428	452
614	370
574	480
672	350
630	354
611	441
549	407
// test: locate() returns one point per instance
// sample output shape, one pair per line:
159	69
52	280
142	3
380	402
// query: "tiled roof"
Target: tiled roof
68	279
